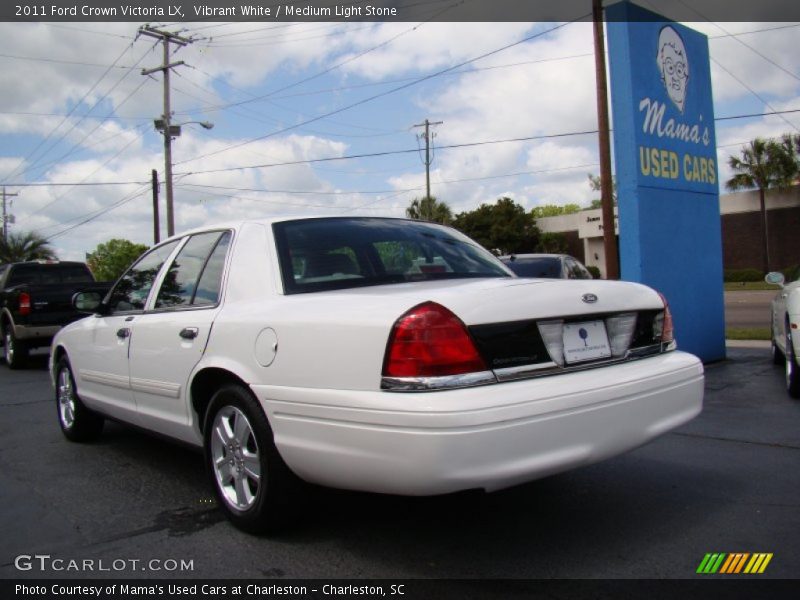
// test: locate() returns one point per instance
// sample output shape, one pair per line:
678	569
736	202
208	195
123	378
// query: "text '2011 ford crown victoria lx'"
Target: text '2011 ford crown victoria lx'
384	355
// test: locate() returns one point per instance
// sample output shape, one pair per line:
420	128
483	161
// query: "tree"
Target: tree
110	259
763	164
428	208
19	247
596	185
503	227
552	243
554	210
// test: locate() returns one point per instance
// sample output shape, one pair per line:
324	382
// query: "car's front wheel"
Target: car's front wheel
792	369
253	485
78	423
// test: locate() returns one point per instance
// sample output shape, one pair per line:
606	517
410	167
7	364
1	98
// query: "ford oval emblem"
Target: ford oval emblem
589	298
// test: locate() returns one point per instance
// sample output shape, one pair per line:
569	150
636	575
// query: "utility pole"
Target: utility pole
6	216
427	135
156	219
166	38
606	183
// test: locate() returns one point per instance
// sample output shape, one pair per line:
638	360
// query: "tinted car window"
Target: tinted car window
545	266
131	291
576	270
49	273
337	253
180	282
208	287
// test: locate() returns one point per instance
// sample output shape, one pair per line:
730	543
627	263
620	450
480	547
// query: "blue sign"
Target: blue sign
666	170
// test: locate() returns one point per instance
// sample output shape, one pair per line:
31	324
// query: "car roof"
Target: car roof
269	221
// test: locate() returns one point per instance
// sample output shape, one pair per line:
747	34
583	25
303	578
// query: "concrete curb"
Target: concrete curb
747	343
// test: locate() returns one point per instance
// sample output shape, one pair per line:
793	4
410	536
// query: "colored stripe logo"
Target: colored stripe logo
734	563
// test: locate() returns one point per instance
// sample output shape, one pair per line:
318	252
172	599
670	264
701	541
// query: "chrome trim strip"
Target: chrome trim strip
109	379
427	384
157	388
644	351
432	384
524	371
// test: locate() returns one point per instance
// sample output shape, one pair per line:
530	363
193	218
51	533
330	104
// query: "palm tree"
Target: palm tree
763	164
428	208
19	247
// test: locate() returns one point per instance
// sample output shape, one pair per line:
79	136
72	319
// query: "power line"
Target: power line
386	93
61	62
96	214
69	113
75	124
391	152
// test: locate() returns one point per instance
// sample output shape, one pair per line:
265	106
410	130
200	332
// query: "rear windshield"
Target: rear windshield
34	274
548	267
339	253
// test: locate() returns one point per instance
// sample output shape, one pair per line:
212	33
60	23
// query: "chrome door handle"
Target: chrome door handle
189	333
123	332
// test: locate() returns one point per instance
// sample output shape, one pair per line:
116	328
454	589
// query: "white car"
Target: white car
784	330
384	355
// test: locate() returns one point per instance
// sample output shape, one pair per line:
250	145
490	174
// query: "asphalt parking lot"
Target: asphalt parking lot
726	482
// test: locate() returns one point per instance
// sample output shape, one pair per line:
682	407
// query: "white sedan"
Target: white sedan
383	355
785	323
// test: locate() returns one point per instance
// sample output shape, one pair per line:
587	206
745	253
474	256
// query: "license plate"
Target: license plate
585	341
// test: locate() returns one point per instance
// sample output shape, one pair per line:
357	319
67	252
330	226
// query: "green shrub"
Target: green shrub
792	273
594	271
739	275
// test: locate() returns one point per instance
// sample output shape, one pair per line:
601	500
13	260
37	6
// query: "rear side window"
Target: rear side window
339	253
34	274
548	267
194	277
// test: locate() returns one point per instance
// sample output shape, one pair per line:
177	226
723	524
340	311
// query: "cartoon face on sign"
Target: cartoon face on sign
673	65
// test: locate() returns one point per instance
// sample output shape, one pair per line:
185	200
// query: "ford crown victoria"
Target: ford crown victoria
383	355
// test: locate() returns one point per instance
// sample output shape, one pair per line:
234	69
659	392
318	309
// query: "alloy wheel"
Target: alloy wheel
235	458
66	399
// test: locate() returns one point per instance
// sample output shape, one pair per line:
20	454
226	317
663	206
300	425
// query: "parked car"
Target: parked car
382	355
784	330
549	266
36	301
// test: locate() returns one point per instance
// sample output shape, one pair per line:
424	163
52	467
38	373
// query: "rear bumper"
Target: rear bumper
36	335
487	437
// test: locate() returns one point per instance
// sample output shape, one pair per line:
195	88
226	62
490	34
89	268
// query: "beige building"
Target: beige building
741	231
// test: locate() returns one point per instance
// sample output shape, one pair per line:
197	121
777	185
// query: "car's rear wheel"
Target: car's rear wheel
14	351
78	423
253	485
792	369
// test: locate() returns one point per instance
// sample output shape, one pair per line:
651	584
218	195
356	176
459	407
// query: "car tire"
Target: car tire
792	368
252	483
14	351
78	423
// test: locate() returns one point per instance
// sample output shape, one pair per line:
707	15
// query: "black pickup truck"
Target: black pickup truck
36	301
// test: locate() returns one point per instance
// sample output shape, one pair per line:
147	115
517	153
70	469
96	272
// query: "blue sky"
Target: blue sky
76	109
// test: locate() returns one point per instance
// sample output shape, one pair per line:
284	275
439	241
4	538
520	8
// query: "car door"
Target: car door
169	339
99	349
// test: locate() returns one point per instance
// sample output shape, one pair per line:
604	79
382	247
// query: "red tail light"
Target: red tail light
667	327
430	341
24	303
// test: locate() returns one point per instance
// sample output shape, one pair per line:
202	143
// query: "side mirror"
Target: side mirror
87	302
775	278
